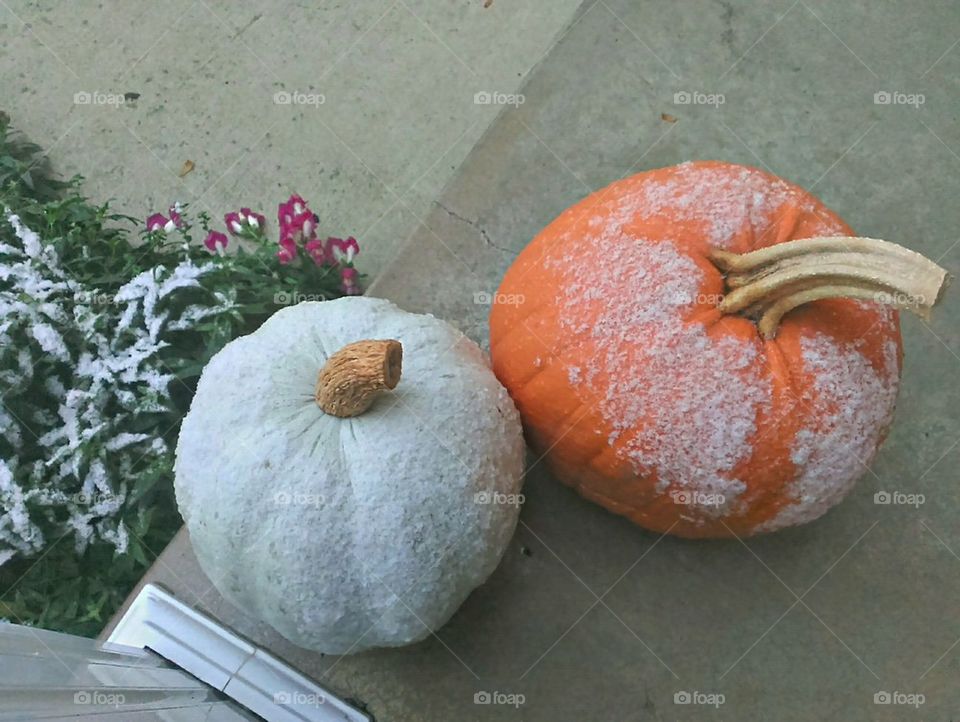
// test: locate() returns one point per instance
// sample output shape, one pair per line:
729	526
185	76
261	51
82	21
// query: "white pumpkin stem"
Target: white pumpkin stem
355	375
772	281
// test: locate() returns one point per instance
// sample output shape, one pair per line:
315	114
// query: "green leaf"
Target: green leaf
62	588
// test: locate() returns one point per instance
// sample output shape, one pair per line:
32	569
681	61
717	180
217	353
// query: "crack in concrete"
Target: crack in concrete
477	227
246	27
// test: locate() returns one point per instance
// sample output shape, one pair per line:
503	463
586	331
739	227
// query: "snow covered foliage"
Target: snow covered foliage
102	340
84	386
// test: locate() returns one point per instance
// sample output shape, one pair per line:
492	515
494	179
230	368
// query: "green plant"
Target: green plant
101	345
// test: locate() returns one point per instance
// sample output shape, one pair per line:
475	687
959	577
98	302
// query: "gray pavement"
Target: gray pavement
589	617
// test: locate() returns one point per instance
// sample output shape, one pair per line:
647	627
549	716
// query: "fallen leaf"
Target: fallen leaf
187	167
669	118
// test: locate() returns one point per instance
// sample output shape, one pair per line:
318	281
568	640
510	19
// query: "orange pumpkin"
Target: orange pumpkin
672	376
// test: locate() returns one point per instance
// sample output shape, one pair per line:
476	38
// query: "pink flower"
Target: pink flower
348	281
238	222
215	241
296	220
318	251
253	219
234	223
175	215
156	222
286	212
287	252
342	250
307	224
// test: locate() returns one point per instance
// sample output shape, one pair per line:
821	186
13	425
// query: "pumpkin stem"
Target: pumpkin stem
353	377
772	281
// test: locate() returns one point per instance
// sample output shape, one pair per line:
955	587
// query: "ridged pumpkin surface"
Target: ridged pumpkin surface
648	401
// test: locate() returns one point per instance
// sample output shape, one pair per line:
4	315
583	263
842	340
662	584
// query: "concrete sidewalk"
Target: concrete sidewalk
365	108
588	617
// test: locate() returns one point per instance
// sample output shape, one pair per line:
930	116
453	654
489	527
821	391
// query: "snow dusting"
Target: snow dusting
852	405
723	199
81	368
682	405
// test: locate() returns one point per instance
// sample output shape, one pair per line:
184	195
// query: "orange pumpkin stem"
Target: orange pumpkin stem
355	375
772	281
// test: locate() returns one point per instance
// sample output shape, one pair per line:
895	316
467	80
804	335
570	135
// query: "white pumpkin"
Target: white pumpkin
350	533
